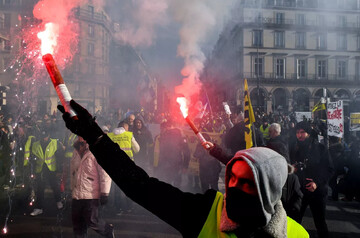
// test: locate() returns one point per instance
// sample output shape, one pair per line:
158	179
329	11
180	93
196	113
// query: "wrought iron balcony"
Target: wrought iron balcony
274	22
96	17
312	79
304	4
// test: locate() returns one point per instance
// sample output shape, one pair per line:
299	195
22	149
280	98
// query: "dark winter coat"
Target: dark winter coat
313	161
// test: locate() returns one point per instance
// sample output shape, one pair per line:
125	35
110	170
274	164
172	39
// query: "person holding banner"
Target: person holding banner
314	168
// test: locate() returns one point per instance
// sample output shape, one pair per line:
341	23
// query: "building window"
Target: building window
321	41
257	38
300	19
91	68
279	39
341	68
279	18
320	20
280	68
341	4
358	42
77	64
7	45
341	21
2	65
299	3
300	38
91	30
279	2
258	66
91	10
270	2
321	68
300	68
7	20
258	18
90	49
341	42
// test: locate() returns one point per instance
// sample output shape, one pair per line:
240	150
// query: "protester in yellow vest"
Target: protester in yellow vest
45	152
264	129
251	206
126	141
69	150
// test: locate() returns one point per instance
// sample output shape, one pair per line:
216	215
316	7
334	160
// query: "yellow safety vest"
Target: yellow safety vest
48	157
69	146
212	224
265	132
124	141
27	150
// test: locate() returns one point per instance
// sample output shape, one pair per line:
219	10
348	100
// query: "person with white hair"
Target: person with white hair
276	142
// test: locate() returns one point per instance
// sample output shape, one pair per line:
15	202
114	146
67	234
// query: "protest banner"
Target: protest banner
355	121
335	118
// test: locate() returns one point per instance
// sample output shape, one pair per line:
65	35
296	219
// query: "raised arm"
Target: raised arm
186	212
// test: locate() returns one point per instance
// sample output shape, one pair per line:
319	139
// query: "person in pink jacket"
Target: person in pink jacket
90	186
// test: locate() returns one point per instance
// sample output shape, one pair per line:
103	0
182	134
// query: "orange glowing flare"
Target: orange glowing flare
183	106
49	38
184	110
58	82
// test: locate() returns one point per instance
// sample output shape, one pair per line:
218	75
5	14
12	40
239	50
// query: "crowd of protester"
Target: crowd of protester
166	155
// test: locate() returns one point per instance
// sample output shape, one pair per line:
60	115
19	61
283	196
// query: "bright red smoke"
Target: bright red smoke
60	33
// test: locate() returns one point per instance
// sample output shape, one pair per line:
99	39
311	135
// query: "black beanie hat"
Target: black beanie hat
303	125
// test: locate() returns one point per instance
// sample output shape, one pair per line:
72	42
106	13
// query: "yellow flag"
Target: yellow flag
319	106
249	117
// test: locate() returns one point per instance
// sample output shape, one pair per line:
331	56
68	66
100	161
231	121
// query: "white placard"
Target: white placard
335	118
300	116
355	121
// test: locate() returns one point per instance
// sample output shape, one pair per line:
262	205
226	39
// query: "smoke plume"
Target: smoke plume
198	20
139	29
58	12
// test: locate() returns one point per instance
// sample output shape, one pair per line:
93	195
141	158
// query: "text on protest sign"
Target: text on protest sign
335	118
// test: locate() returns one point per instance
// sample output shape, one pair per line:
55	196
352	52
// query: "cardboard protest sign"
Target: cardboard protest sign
335	118
355	121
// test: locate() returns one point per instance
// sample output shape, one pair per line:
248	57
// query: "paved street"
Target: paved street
343	219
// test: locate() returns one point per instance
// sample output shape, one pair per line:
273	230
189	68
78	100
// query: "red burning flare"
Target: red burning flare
183	106
48	43
184	110
49	38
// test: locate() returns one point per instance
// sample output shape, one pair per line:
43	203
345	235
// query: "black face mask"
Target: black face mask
244	209
304	143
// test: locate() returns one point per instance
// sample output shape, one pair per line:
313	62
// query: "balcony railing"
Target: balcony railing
308	77
83	14
308	23
307	4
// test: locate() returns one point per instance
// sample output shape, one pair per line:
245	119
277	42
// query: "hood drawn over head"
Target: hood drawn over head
270	173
